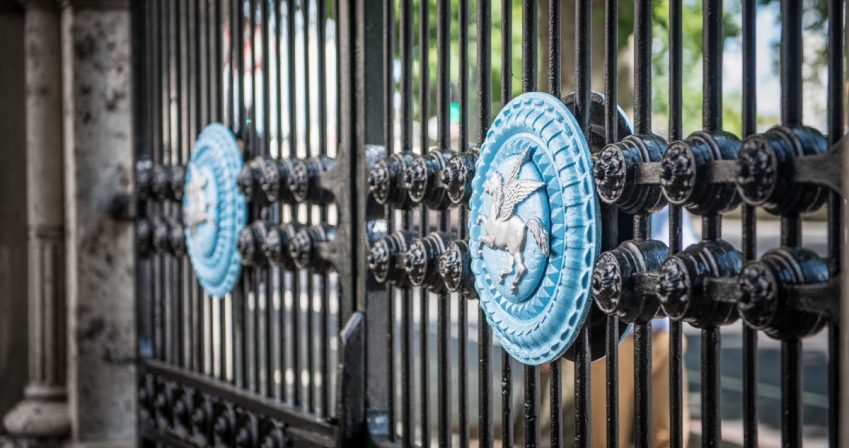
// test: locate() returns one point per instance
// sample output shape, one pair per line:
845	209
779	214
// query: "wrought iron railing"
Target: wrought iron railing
356	316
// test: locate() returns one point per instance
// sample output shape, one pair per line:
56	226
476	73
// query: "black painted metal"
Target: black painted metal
368	231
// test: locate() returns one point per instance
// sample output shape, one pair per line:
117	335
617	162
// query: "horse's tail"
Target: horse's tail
539	234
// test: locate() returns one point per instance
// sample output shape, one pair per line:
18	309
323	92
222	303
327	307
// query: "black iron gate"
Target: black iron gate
355	317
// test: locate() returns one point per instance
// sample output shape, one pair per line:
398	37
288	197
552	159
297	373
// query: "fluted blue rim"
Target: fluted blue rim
214	254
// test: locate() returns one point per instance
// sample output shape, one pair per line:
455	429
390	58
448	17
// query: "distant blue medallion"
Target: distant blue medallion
534	228
214	210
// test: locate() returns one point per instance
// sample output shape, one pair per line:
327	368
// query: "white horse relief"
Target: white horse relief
502	228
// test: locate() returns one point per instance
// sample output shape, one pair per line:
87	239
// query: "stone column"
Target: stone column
13	207
43	414
98	166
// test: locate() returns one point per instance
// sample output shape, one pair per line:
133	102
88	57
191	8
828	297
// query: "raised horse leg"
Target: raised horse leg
504	272
519	262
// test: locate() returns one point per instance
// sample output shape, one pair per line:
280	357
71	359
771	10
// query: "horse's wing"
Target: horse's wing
514	194
517	166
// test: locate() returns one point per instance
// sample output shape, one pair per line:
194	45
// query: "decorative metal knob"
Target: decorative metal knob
277	240
303	180
144	179
249	181
177	240
617	174
181	410
421	261
683	278
763	300
386	180
201	420
224	424
144	237
421	179
685	173
386	258
246	429
457	177
166	182
274	180
456	270
311	247
252	240
145	397
272	434
617	274
162	400
765	170
168	237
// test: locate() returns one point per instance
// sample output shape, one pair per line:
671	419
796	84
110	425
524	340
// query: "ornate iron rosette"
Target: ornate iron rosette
534	228
214	210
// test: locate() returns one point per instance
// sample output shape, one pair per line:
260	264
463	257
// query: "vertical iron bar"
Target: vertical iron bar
529	45
506	94
611	28
424	296
791	115
156	147
255	149
406	55
389	140
462	308
835	212
443	100
642	125
583	68
749	246
529	84
308	152
196	297
321	42
484	77
167	150
712	66
293	153
711	225
791	62
642	385
711	429
268	312
506	399
532	429
642	66
219	63
554	57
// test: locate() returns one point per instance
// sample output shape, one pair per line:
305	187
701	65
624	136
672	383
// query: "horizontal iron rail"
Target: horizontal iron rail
318	431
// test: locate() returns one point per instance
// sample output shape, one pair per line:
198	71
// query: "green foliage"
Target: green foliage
815	58
691	85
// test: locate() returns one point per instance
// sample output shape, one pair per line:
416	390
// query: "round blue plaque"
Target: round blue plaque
534	228
214	210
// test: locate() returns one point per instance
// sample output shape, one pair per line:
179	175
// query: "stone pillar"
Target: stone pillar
13	209
98	166
43	414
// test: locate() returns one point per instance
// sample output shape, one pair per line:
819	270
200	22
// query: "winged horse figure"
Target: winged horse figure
502	228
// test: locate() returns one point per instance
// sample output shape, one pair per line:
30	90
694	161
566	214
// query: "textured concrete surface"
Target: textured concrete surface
98	153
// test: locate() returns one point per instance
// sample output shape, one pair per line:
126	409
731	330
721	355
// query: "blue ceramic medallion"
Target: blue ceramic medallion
214	211
534	228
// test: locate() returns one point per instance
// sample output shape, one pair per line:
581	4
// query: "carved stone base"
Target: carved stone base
40	420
